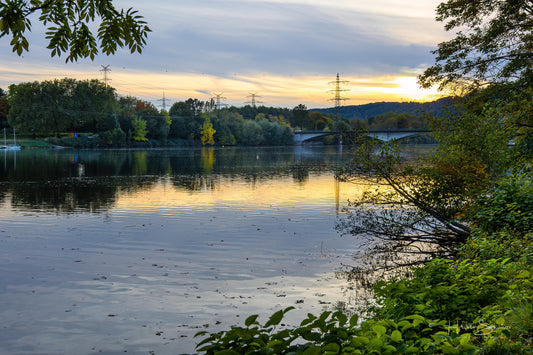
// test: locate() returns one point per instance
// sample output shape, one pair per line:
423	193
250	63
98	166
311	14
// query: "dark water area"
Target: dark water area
137	250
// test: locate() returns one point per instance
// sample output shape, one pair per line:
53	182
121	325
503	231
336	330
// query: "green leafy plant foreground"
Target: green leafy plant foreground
480	303
334	333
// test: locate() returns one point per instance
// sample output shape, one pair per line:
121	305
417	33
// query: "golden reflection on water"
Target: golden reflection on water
224	191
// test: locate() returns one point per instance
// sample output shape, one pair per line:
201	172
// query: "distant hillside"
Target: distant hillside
369	110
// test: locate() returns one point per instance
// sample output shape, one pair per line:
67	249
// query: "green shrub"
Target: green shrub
334	333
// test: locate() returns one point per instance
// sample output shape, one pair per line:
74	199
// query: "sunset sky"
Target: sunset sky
285	51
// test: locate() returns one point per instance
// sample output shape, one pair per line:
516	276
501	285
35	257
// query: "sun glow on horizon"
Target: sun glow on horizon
314	91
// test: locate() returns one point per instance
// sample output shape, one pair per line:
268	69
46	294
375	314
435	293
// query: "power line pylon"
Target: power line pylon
218	102
105	69
164	100
338	99
253	102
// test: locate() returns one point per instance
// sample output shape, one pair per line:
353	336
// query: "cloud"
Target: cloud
265	46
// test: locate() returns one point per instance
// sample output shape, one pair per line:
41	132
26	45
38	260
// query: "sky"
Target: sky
284	52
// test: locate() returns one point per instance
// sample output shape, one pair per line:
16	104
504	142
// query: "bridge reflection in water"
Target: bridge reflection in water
385	135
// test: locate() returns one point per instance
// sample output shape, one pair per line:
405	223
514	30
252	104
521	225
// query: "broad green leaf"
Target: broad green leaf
274	319
396	336
251	320
353	320
379	330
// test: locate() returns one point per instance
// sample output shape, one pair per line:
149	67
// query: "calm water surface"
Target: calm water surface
136	251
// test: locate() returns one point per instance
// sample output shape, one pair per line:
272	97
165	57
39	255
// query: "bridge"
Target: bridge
384	135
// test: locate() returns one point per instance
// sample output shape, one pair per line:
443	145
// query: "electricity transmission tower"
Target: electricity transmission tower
219	98
337	95
105	69
253	102
164	100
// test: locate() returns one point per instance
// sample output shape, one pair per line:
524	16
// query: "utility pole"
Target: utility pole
253	95
337	96
105	69
164	100
338	102
219	98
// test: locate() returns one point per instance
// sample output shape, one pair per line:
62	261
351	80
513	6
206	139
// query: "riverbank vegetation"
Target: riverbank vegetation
89	114
460	220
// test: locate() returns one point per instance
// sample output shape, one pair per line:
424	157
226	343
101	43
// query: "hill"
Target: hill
369	110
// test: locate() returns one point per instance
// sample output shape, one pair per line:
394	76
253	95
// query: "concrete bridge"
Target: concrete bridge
384	135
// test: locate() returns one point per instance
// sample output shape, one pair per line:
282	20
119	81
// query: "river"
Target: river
135	251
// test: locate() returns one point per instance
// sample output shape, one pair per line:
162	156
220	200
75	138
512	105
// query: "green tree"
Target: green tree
4	109
70	26
59	105
186	118
139	130
493	43
300	117
252	134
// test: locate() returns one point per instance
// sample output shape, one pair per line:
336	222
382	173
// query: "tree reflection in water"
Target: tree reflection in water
89	180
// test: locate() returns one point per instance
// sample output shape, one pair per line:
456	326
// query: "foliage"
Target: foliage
415	209
70	27
115	137
334	333
139	130
207	132
252	134
508	205
442	289
493	42
300	116
59	105
391	120
4	108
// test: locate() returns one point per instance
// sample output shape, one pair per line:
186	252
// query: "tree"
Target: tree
139	129
207	132
4	108
69	26
494	42
59	105
300	117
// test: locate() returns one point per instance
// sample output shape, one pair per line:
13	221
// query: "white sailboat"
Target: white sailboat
10	147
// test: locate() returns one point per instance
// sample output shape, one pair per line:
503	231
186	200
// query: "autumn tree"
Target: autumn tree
79	29
426	206
207	132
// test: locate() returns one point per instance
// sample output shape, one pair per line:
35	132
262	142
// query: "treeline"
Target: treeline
365	111
102	118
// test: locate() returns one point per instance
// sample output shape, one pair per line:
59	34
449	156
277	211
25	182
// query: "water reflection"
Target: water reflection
69	180
115	251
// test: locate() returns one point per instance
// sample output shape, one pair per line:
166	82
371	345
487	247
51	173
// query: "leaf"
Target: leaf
227	352
360	341
379	330
396	336
314	350
251	320
274	319
333	348
353	320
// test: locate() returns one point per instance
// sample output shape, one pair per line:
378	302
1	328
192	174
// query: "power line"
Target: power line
253	95
219	98
164	100
105	69
337	95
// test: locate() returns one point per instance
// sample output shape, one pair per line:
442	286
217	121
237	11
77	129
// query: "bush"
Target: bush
334	333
